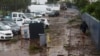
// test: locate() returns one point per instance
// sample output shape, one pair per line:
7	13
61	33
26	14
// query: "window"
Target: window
20	15
23	17
14	15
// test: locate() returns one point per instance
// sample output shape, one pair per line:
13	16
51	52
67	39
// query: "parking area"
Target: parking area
66	39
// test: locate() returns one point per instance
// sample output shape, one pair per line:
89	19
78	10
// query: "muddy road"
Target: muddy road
65	39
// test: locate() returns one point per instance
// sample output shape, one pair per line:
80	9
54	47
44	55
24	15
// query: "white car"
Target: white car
37	14
41	20
5	33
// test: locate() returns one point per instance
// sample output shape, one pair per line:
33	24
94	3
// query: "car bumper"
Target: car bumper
6	37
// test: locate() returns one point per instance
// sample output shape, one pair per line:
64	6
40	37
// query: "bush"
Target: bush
97	12
81	3
93	9
90	8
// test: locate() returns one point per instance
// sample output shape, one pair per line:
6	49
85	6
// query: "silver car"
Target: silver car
14	27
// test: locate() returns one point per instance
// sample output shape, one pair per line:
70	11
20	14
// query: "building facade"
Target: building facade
39	1
92	1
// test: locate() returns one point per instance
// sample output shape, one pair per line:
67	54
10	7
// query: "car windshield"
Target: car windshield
37	13
28	15
9	23
1	23
3	28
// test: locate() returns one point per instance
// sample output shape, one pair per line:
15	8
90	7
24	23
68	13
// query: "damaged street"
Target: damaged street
66	38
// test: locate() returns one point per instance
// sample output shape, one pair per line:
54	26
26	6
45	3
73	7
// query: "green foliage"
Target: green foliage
97	12
81	3
13	5
52	1
89	8
93	9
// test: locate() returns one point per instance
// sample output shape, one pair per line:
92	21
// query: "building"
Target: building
39	1
68	0
92	1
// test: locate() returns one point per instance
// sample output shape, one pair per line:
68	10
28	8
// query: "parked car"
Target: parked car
41	20
2	24
37	14
5	33
54	13
63	6
29	15
14	27
19	18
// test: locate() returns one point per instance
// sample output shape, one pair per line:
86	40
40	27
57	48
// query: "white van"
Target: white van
5	33
20	18
39	10
41	20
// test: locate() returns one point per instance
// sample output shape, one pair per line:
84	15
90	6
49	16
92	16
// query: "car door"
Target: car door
19	21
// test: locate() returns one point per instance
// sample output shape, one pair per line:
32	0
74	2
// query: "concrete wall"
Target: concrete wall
94	27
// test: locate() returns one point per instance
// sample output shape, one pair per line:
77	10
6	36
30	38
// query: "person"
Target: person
83	27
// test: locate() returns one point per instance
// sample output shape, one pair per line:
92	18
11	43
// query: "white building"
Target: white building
92	1
39	1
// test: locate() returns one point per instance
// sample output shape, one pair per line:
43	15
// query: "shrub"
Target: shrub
90	8
93	9
97	12
81	3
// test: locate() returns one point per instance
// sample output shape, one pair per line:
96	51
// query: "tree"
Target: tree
13	5
81	3
52	1
97	10
93	9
